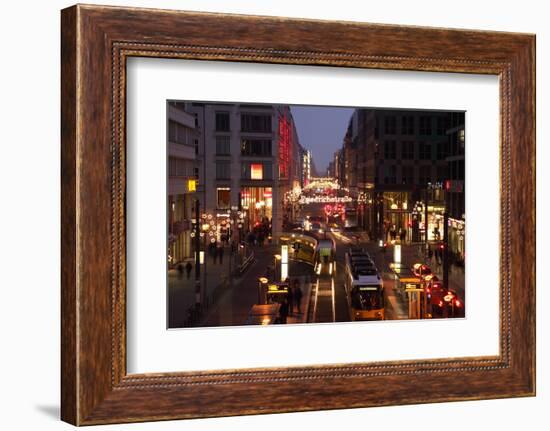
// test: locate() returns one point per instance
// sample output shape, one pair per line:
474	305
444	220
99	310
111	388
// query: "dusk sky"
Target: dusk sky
321	130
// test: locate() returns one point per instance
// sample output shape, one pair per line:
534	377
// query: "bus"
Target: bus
364	288
325	253
301	247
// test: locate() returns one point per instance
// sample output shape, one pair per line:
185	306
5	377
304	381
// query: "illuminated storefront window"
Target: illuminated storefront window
256	171
224	197
257	202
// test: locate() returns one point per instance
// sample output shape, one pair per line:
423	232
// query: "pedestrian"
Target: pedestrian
298	295
180	270
188	268
221	255
290	297
283	311
214	253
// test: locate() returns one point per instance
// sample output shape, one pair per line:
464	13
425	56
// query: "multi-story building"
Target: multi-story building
246	162
290	166
349	150
339	166
182	171
306	167
331	171
455	185
402	166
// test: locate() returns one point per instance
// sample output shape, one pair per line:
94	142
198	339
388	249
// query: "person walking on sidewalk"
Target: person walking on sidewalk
298	295
283	311
290	297
188	268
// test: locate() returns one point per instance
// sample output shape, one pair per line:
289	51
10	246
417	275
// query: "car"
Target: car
335	227
421	270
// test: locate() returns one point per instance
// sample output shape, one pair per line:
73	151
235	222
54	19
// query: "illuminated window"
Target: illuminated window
256	171
224	197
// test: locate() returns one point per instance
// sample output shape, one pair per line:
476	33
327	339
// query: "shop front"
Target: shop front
257	202
179	228
457	243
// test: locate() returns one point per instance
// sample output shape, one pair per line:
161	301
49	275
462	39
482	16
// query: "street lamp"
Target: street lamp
277	257
261	282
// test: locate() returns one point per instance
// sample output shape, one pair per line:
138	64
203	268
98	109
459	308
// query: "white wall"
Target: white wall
29	220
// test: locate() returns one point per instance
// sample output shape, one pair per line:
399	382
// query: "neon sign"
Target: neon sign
285	145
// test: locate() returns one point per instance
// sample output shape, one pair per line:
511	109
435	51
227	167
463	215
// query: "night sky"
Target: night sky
321	130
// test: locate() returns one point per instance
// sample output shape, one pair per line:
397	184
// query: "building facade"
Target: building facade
401	170
455	186
248	157
182	173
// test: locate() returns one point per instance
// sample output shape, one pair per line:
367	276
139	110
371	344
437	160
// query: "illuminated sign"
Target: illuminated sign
397	253
324	199
284	253
285	146
192	185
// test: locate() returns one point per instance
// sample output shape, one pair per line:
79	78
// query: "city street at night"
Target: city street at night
258	236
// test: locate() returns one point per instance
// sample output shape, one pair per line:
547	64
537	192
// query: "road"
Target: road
324	294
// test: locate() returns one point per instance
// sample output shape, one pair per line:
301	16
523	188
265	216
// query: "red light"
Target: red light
441	303
458	303
441	246
427	290
423	267
285	145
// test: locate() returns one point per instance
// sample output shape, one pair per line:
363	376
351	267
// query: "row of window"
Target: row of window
249	147
249	170
413	175
179	133
426	125
181	168
408	150
256	123
250	196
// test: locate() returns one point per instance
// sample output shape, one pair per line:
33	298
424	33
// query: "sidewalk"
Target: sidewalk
181	290
456	274
296	317
234	305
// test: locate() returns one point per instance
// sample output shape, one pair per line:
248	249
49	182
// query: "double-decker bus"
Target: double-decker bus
364	287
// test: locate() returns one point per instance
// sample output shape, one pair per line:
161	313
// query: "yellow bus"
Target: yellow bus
364	289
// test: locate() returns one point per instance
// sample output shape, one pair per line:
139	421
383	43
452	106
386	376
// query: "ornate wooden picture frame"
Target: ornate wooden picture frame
96	41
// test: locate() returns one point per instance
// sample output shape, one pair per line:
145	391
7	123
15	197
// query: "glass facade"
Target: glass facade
257	202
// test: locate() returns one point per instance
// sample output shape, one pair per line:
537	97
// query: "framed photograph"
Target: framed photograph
265	215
